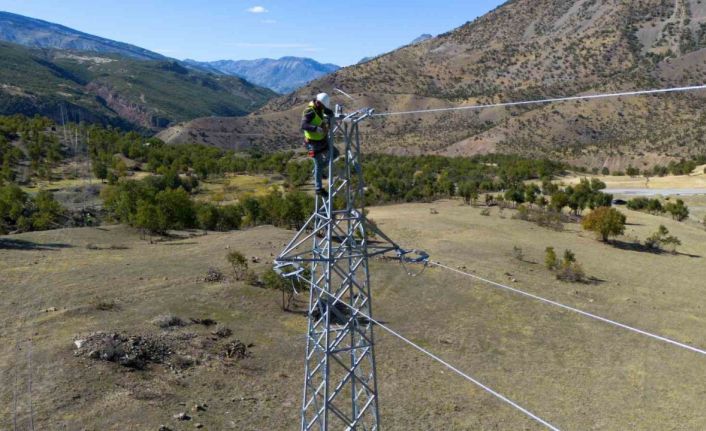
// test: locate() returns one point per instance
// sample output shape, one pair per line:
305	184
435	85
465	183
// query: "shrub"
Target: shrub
605	222
239	264
165	321
550	260
572	273
105	304
652	206
568	270
661	239
252	278
569	258
222	331
678	210
274	281
213	275
541	217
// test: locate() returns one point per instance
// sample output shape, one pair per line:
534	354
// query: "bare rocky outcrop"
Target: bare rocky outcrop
125	108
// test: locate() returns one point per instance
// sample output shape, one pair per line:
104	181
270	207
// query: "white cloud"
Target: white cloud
257	9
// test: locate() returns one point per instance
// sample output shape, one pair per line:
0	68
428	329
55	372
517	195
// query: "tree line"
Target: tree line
163	202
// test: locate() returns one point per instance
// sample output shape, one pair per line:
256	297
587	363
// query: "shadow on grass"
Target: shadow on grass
18	244
641	248
595	281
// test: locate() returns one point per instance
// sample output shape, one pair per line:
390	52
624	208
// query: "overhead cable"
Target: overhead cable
543	101
443	362
574	310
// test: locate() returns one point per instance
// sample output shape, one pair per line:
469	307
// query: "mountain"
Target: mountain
283	76
113	89
35	33
525	49
420	39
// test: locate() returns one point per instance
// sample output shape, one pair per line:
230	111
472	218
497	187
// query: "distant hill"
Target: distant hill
525	49
283	76
113	89
420	39
35	33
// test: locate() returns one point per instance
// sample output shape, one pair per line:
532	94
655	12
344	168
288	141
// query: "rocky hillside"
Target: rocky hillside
524	49
283	76
35	33
117	90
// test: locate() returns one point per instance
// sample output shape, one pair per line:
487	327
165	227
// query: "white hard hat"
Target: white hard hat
324	99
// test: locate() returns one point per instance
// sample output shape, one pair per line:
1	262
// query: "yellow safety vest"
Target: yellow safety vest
317	121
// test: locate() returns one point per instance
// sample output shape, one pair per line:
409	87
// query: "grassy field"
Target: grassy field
233	187
578	374
697	179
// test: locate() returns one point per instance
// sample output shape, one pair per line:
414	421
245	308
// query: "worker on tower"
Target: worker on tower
316	121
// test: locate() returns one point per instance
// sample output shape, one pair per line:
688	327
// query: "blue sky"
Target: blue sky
340	32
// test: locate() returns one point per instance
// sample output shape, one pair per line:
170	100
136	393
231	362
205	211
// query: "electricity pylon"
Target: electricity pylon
330	256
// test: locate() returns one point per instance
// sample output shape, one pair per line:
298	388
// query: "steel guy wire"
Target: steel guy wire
574	310
551	100
438	359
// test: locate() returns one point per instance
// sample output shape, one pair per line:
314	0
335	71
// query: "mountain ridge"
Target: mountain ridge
37	33
282	75
524	49
55	71
116	90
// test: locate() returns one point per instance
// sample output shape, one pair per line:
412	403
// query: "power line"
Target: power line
406	340
575	310
552	100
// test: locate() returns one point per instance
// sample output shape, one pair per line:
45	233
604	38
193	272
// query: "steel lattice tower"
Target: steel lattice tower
330	255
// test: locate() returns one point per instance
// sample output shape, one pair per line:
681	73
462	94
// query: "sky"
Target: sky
339	32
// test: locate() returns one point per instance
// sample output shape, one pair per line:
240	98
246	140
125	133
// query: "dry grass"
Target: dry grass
233	187
578	374
696	179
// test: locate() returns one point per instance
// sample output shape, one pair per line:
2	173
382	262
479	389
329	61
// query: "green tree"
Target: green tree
468	192
559	200
207	216
150	218
100	170
605	222
177	208
679	211
47	211
531	193
230	217
12	206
